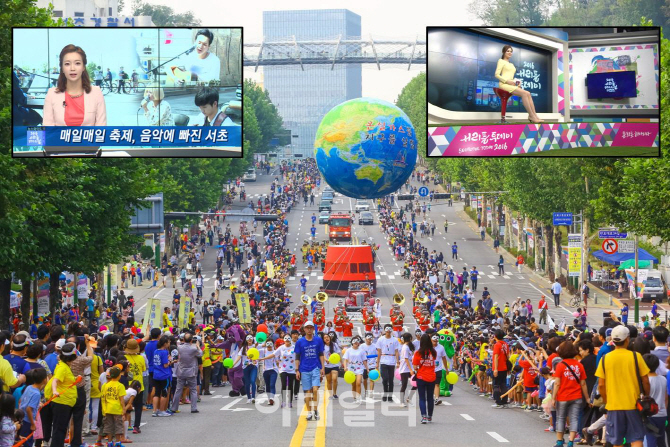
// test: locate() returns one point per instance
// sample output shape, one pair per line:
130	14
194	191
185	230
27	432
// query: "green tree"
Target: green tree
511	12
267	116
164	15
412	100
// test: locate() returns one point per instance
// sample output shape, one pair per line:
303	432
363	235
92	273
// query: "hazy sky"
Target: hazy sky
388	19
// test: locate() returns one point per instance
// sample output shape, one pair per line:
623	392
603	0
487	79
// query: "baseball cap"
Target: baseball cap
309	323
60	343
620	333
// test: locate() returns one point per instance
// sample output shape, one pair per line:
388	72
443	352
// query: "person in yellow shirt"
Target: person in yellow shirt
166	318
61	387
620	389
112	405
136	368
6	370
206	368
96	370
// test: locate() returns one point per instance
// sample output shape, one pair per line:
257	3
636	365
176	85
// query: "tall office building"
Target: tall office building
303	97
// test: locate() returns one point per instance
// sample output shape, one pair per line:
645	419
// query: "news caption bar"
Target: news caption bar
112	136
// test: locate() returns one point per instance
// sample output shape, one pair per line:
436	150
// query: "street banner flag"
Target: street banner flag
271	269
184	310
153	315
243	307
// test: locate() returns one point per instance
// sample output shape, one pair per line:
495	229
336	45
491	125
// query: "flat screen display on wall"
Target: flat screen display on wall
462	65
614	84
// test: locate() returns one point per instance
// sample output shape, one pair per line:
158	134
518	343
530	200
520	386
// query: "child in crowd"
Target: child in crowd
9	424
112	406
36	380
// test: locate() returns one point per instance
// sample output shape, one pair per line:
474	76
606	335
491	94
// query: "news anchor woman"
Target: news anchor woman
74	101
505	74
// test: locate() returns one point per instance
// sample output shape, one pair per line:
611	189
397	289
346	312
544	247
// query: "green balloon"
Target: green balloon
228	363
261	337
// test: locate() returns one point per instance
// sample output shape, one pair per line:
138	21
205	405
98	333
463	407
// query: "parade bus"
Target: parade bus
345	264
339	226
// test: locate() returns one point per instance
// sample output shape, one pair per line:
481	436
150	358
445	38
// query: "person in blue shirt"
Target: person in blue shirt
313	219
303	282
454	251
90	308
624	314
162	364
313	230
18	352
149	350
474	274
309	363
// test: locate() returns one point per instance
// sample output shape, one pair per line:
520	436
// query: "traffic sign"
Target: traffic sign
611	234
626	246
610	246
562	219
423	191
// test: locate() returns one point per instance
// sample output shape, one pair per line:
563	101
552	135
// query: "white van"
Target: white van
654	287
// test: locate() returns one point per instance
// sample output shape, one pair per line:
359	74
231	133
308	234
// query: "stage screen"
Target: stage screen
640	60
150	92
615	84
461	72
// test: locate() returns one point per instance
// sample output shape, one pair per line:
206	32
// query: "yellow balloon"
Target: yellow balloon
334	358
349	377
452	378
252	354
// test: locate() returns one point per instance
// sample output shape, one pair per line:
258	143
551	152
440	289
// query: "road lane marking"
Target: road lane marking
467	417
496	436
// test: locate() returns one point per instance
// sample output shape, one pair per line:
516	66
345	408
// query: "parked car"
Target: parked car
326	205
362	205
327	195
323	217
654	287
365	218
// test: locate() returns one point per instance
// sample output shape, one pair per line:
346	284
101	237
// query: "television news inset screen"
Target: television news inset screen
154	92
614	84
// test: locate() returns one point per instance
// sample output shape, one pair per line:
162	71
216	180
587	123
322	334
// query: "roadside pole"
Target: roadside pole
109	285
637	300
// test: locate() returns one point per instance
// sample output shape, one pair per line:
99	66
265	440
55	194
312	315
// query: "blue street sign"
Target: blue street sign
562	219
423	191
611	234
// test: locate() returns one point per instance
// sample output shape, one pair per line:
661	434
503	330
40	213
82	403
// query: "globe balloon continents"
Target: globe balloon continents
365	148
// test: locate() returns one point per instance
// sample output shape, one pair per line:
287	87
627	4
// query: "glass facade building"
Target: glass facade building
303	97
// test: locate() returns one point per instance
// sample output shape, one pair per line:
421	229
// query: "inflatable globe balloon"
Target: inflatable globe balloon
349	377
365	148
452	378
252	353
334	358
373	375
261	337
228	363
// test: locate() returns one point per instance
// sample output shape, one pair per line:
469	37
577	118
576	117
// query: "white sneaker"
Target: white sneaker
248	401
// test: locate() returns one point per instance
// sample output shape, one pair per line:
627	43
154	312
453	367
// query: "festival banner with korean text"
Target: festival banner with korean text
243	307
184	311
82	287
42	296
152	315
271	269
574	254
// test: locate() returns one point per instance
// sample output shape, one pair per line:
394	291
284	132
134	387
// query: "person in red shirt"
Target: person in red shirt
499	365
569	389
544	307
424	364
530	373
347	327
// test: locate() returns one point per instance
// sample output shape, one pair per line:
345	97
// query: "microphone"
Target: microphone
64	105
190	50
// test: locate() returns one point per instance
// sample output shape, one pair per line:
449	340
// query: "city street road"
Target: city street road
465	419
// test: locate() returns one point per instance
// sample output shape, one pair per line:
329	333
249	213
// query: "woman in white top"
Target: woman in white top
356	361
332	369
285	360
406	369
249	369
157	111
269	370
376	331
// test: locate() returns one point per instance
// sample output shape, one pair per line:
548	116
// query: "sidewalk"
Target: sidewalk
541	281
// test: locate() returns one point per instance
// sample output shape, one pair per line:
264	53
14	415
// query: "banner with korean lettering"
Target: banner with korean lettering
574	254
243	307
271	269
82	287
152	315
510	139
42	296
184	311
68	294
124	136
